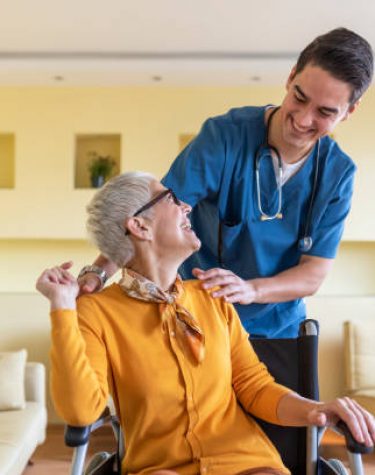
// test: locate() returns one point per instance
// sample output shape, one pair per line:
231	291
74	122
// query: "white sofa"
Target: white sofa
360	361
22	430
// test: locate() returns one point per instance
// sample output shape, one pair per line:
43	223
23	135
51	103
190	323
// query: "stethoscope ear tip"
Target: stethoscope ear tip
305	244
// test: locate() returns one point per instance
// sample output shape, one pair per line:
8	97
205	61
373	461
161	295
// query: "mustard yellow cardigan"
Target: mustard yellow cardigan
175	414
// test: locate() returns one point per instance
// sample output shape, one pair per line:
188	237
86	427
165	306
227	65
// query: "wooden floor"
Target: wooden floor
54	458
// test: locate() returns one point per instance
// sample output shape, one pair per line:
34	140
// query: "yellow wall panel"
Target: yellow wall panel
150	121
7	151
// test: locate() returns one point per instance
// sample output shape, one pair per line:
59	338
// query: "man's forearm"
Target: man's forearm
299	281
104	263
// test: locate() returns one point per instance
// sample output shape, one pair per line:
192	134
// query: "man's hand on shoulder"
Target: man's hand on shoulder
89	283
91	279
232	288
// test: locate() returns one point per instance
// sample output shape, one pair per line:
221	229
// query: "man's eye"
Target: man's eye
325	114
299	99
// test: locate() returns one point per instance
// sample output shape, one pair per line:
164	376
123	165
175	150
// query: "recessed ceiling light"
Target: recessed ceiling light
58	78
255	78
157	78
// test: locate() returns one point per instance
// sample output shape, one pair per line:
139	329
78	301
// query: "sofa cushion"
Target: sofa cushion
20	433
359	355
12	380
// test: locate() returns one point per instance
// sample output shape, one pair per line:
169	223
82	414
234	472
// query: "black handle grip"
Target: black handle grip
76	436
351	444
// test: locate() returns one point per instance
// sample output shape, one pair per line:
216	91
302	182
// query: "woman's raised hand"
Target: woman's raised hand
59	286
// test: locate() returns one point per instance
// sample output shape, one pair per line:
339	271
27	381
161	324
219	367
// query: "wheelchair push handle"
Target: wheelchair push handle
351	444
75	436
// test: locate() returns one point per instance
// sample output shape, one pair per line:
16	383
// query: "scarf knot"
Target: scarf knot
189	335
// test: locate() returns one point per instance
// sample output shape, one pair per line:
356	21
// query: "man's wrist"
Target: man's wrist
256	288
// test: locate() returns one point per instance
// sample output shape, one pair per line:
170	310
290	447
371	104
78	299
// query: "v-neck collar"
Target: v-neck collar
268	184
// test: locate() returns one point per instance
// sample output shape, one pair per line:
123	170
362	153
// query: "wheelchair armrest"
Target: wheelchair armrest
75	436
351	444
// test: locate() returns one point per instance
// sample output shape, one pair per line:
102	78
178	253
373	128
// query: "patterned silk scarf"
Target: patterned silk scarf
188	333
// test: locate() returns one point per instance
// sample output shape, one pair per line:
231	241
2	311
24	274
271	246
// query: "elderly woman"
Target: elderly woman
177	362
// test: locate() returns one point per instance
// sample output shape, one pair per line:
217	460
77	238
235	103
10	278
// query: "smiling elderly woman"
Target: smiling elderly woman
177	362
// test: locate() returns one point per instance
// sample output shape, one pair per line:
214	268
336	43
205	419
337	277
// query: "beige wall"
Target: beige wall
42	218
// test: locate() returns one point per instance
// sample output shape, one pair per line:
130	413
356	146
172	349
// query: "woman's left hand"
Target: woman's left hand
360	422
231	287
59	286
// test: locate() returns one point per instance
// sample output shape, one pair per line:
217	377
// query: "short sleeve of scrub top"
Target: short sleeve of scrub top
196	173
332	203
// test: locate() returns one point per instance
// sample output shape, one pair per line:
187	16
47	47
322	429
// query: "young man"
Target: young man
270	190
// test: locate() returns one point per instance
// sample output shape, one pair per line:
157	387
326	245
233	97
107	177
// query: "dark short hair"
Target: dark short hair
345	55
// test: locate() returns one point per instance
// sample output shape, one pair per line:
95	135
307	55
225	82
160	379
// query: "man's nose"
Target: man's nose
304	118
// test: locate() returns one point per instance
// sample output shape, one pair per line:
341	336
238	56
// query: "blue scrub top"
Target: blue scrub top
215	174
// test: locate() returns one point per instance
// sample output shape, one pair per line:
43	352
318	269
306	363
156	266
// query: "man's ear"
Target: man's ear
351	109
138	227
291	76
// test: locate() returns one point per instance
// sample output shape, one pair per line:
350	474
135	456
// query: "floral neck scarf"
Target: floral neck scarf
188	333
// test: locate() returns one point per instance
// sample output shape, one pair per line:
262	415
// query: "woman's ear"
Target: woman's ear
138	227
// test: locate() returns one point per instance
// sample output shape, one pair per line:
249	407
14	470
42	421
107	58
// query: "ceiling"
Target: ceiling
165	42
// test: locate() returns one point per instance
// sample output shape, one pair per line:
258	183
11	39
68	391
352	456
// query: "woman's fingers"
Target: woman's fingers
59	275
66	265
361	424
366	421
353	420
55	275
370	420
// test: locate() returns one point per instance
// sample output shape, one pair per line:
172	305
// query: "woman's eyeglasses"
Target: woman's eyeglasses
155	200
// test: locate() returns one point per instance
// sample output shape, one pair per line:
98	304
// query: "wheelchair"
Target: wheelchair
293	363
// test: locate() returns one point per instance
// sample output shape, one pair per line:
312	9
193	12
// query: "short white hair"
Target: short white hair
119	199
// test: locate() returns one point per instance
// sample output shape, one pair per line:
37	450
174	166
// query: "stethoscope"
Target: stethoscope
305	242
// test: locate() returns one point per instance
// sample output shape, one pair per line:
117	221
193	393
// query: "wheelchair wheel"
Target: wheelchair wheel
338	466
96	461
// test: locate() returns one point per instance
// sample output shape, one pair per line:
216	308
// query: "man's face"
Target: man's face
314	104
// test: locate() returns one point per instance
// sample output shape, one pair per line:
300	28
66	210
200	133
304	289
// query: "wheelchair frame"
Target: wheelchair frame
78	437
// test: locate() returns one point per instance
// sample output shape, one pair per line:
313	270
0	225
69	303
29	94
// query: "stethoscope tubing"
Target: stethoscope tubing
304	243
264	216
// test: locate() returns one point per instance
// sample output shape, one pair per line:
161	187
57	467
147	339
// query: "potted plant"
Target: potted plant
100	168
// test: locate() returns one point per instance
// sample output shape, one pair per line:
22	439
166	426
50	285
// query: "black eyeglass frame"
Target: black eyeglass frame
153	202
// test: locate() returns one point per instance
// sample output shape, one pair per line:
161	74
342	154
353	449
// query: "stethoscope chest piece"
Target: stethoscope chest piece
265	217
305	244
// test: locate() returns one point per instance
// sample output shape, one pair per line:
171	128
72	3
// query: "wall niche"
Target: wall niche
105	150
